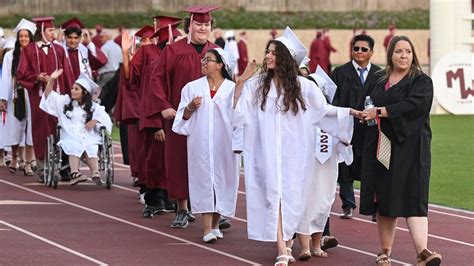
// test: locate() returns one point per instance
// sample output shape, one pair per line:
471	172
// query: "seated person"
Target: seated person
79	118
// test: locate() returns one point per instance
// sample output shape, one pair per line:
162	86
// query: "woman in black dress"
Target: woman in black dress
403	95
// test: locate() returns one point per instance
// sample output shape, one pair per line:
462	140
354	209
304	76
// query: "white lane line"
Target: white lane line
245	221
52	243
406	230
133	224
431	206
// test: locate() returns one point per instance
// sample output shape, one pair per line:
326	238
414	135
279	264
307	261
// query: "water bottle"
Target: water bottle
368	103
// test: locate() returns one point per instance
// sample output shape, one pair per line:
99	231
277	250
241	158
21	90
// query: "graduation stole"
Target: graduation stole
19	100
323	145
384	147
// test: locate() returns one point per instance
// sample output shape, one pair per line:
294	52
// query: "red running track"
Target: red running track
87	225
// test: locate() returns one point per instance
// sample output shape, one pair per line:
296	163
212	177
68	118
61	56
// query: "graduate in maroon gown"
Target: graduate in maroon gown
328	49
243	53
82	57
37	61
179	63
315	52
156	200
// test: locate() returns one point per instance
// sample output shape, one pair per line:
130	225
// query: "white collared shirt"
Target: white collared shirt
45	49
356	66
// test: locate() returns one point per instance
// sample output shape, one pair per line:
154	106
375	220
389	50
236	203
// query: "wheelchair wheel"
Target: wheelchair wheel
49	162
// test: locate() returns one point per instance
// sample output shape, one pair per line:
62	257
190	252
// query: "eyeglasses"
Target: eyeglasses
206	60
357	48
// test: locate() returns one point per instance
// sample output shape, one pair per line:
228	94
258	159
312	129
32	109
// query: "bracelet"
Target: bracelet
189	109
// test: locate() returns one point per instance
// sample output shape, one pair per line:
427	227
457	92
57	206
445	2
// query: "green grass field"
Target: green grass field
452	150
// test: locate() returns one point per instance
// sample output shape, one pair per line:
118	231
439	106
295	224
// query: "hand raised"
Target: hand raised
56	73
126	43
249	70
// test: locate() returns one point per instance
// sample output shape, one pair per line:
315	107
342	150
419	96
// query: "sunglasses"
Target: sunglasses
206	60
357	48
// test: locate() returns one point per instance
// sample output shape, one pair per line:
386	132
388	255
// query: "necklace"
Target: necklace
216	87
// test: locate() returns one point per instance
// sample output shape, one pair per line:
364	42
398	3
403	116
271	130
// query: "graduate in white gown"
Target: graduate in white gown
328	151
80	120
17	102
278	109
204	115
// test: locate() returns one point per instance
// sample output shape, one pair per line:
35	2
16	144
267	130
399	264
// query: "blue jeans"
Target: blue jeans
346	193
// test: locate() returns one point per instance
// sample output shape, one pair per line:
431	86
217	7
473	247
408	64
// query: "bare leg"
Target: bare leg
215	220
74	163
15	149
182	204
418	227
207	222
281	244
386	227
304	244
21	156
93	164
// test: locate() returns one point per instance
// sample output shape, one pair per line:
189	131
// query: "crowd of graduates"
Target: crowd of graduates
190	110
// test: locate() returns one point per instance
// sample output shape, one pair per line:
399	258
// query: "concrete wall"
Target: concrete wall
41	7
340	40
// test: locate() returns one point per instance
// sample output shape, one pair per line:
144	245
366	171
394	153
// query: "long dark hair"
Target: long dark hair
17	51
219	60
286	73
415	67
86	104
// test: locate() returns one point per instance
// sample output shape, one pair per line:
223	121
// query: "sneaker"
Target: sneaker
328	242
347	213
209	238
217	233
149	211
141	198
224	223
180	220
191	217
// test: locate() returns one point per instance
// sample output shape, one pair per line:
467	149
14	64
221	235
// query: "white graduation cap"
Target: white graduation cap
87	83
25	24
9	43
305	62
229	60
325	83
294	45
229	34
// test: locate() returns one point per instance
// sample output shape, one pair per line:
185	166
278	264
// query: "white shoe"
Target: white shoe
217	233
141	198
209	238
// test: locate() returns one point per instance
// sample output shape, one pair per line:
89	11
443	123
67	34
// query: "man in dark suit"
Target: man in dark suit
353	81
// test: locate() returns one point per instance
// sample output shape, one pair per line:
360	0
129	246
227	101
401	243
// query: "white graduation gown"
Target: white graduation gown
212	165
75	139
15	132
328	151
278	157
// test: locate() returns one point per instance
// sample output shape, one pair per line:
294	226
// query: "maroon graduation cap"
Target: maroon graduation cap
145	32
73	23
166	31
201	14
44	22
160	20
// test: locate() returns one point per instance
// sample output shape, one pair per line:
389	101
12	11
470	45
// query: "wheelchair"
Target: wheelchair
54	155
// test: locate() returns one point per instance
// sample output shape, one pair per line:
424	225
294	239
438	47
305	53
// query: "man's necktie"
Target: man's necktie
361	74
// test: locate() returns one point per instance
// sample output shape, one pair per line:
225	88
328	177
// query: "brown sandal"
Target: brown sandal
27	170
428	258
383	258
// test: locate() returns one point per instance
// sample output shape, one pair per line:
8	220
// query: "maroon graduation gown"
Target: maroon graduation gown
179	63
34	61
315	54
95	62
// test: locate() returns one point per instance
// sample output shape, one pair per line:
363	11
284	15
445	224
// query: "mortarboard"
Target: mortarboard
228	60
304	63
25	24
229	34
160	21
294	45
325	83
73	23
87	83
145	32
201	14
44	22
166	32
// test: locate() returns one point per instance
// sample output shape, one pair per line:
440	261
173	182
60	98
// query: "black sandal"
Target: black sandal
428	258
76	178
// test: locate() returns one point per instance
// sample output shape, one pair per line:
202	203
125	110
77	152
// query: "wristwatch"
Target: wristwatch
379	111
